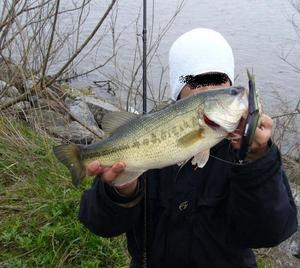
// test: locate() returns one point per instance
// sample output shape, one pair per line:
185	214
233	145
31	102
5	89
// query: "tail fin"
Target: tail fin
69	155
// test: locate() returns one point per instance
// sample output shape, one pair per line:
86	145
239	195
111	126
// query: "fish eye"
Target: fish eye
235	90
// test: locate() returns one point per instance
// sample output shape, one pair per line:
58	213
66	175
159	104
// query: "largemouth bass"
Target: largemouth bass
188	128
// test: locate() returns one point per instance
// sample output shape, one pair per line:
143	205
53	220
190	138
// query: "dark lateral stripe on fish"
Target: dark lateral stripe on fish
102	152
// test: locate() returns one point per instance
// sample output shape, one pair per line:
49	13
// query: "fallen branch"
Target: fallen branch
11	208
22	97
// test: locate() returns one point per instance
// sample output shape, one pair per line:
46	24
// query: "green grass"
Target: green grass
264	263
39	208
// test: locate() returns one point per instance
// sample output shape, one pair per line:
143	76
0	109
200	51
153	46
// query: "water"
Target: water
258	31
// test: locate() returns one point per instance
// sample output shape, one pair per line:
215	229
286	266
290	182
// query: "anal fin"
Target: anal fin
127	176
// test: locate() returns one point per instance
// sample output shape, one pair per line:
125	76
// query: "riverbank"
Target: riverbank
33	185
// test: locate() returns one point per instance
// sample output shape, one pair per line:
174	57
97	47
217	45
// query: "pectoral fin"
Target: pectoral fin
201	159
182	163
127	176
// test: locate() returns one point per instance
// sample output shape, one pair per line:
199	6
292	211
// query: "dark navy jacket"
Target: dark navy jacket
208	217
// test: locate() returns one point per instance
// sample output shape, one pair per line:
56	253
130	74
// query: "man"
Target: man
207	217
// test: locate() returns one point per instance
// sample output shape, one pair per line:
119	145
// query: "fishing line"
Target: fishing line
239	163
242	163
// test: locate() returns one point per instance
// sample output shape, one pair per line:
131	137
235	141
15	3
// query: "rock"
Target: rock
292	245
60	125
104	93
11	91
13	74
80	111
28	84
292	169
73	132
46	118
281	260
43	103
98	107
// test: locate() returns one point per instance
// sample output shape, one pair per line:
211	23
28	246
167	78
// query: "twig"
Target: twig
83	45
19	256
50	42
87	72
9	20
11	208
287	114
79	24
4	90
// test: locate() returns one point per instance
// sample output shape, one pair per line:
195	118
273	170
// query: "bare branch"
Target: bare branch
286	114
47	57
9	19
87	72
83	45
50	42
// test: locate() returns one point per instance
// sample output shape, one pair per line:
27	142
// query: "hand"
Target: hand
262	135
110	174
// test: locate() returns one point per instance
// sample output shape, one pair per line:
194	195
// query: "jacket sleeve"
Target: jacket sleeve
262	212
108	214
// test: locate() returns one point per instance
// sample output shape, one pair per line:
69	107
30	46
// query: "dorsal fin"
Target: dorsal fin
114	119
162	105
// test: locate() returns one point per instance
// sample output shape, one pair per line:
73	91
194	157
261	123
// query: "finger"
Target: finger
266	121
236	145
94	168
110	174
261	138
235	140
234	136
118	167
262	135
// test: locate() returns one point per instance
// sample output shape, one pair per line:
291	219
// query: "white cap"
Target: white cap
197	52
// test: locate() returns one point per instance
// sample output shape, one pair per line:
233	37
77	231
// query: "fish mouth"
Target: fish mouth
210	122
215	126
